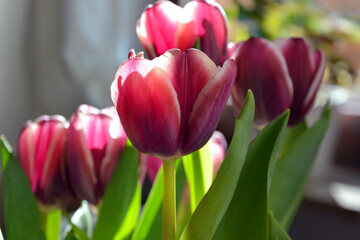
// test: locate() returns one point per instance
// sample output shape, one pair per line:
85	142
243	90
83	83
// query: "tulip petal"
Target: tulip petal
320	63
140	65
149	111
189	72
26	148
211	27
54	155
262	68
218	147
115	144
208	106
79	157
158	27
301	65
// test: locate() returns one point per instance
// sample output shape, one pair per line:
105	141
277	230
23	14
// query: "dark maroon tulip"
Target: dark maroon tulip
262	68
284	74
164	25
170	106
41	152
95	140
306	69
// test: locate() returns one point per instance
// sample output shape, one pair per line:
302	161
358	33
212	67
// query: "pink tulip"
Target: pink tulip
95	140
164	25
218	147
306	69
41	152
262	68
170	106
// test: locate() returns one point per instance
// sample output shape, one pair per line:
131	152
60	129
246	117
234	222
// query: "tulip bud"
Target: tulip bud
262	68
170	106
306	69
95	140
164	25
41	152
218	147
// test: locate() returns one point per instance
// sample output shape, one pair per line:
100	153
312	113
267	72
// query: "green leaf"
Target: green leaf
212	207
247	215
150	222
276	232
18	199
118	195
70	236
199	171
291	135
52	223
131	216
151	209
293	169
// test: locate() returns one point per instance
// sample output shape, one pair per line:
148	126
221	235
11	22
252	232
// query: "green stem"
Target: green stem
169	210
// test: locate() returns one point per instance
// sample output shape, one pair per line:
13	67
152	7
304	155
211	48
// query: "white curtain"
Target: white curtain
55	55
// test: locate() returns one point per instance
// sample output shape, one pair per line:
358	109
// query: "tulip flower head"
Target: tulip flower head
170	106
41	152
95	140
164	25
262	68
283	75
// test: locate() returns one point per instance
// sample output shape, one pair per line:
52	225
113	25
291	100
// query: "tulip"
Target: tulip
95	140
262	68
164	25
306	69
218	146
170	106
41	153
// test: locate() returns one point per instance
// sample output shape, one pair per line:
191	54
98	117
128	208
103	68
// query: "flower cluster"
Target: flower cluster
67	162
169	107
183	91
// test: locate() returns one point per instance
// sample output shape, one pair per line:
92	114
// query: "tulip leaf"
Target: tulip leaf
70	236
131	216
276	231
150	222
199	171
18	199
291	135
52	223
247	215
204	221
118	195
151	209
292	171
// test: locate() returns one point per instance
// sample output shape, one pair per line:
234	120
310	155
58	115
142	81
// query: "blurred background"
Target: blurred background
56	55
